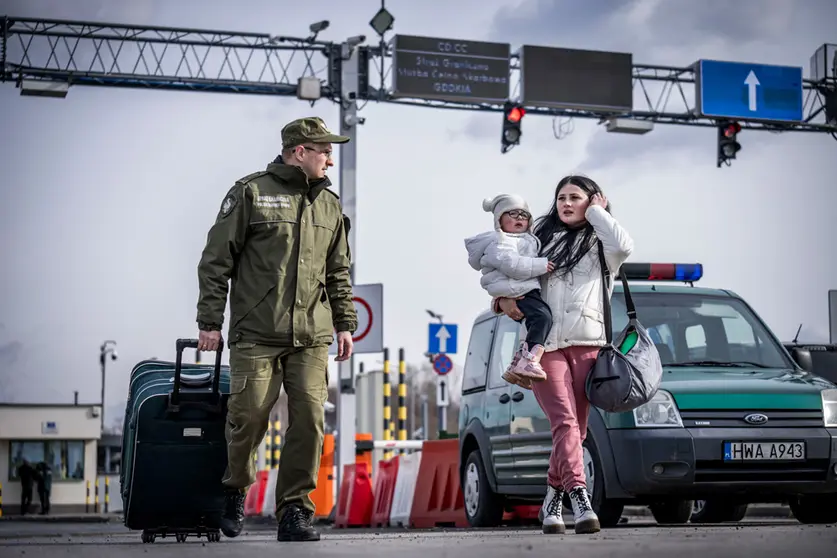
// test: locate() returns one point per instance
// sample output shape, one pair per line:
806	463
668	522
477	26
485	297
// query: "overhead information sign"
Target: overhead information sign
576	79
450	69
748	91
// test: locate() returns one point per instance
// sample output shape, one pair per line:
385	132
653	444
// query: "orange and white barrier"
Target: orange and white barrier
417	490
405	483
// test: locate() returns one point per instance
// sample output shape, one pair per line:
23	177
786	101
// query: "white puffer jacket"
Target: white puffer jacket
509	262
576	299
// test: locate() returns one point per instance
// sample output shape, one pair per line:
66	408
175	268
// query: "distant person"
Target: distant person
280	237
574	290
26	473
44	485
511	265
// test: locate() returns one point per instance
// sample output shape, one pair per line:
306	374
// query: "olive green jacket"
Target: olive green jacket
282	242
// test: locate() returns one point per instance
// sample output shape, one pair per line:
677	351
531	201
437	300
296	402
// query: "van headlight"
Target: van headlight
660	412
829	407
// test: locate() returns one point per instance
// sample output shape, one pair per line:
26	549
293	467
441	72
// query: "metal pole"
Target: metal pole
107	348
425	417
443	421
346	404
102	399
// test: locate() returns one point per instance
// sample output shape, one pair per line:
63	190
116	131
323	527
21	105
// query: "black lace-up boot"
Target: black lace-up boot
295	525
233	519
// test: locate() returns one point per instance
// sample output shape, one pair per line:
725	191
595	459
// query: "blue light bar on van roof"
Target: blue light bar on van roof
687	273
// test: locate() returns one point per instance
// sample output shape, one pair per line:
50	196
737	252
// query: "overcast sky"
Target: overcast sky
107	195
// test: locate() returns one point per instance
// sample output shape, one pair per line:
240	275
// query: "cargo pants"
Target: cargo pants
257	373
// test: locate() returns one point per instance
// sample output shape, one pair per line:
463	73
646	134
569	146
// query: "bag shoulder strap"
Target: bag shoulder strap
629	301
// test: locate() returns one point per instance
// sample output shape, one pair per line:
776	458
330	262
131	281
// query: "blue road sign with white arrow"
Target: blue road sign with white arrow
745	91
441	338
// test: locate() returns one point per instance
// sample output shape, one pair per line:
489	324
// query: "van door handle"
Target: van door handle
518	396
504	398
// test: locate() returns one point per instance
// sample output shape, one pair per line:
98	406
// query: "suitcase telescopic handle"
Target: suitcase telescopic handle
216	376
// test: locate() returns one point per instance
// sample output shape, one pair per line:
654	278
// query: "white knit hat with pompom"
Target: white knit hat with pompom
501	203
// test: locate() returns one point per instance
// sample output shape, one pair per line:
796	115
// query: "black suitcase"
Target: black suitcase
174	449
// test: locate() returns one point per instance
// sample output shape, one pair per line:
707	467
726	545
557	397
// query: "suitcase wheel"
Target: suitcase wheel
148	537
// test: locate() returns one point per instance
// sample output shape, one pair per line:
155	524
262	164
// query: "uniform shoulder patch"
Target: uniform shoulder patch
229	203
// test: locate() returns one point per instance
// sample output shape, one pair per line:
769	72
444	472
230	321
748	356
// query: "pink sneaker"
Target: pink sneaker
529	365
516	380
510	376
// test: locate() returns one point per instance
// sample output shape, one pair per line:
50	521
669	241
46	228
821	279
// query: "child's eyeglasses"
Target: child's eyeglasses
519	214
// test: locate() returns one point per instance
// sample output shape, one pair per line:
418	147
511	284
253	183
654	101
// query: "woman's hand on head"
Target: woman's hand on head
600	200
509	308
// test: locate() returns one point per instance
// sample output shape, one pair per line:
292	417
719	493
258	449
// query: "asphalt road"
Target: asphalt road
640	538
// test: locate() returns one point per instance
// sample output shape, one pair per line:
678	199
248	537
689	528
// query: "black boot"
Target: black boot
233	519
295	525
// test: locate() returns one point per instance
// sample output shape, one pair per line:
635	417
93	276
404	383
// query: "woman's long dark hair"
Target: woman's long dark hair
574	243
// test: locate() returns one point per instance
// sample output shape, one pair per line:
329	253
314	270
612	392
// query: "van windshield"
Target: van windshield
702	330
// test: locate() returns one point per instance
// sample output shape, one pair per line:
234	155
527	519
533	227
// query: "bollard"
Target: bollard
277	442
1	499
266	444
96	500
107	494
363	449
387	405
323	495
402	398
87	498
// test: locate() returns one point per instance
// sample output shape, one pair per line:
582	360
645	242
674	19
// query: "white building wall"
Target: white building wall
37	423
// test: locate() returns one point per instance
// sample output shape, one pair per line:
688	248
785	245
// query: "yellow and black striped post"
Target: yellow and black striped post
87	498
267	442
387	404
107	494
277	442
96	498
402	397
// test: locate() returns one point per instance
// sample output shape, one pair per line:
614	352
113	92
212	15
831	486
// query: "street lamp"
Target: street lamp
107	348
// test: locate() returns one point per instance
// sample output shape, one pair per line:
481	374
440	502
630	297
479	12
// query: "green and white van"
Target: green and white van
737	419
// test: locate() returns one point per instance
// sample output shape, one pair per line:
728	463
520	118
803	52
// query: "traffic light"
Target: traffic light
512	117
728	144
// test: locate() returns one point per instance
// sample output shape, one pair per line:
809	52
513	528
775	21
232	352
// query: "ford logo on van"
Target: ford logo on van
755	418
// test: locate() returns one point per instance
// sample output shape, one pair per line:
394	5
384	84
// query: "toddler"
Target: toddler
510	265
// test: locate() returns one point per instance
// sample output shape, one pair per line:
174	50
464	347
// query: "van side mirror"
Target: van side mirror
803	358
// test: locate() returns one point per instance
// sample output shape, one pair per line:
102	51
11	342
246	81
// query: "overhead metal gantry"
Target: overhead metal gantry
62	53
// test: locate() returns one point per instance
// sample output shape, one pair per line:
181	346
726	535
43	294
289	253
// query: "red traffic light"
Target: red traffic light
732	129
516	114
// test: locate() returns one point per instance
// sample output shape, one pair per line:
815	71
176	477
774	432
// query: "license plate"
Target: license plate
764	451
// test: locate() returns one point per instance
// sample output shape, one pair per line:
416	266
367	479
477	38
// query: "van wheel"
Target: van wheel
815	509
483	507
673	512
609	512
717	511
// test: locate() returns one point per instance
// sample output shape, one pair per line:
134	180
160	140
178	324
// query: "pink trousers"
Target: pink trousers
564	402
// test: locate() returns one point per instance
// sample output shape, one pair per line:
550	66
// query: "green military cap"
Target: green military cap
311	129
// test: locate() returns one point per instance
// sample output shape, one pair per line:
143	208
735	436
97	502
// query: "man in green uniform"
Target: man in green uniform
280	238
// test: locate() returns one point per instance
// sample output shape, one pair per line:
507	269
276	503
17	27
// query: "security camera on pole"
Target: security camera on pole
107	348
441	342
